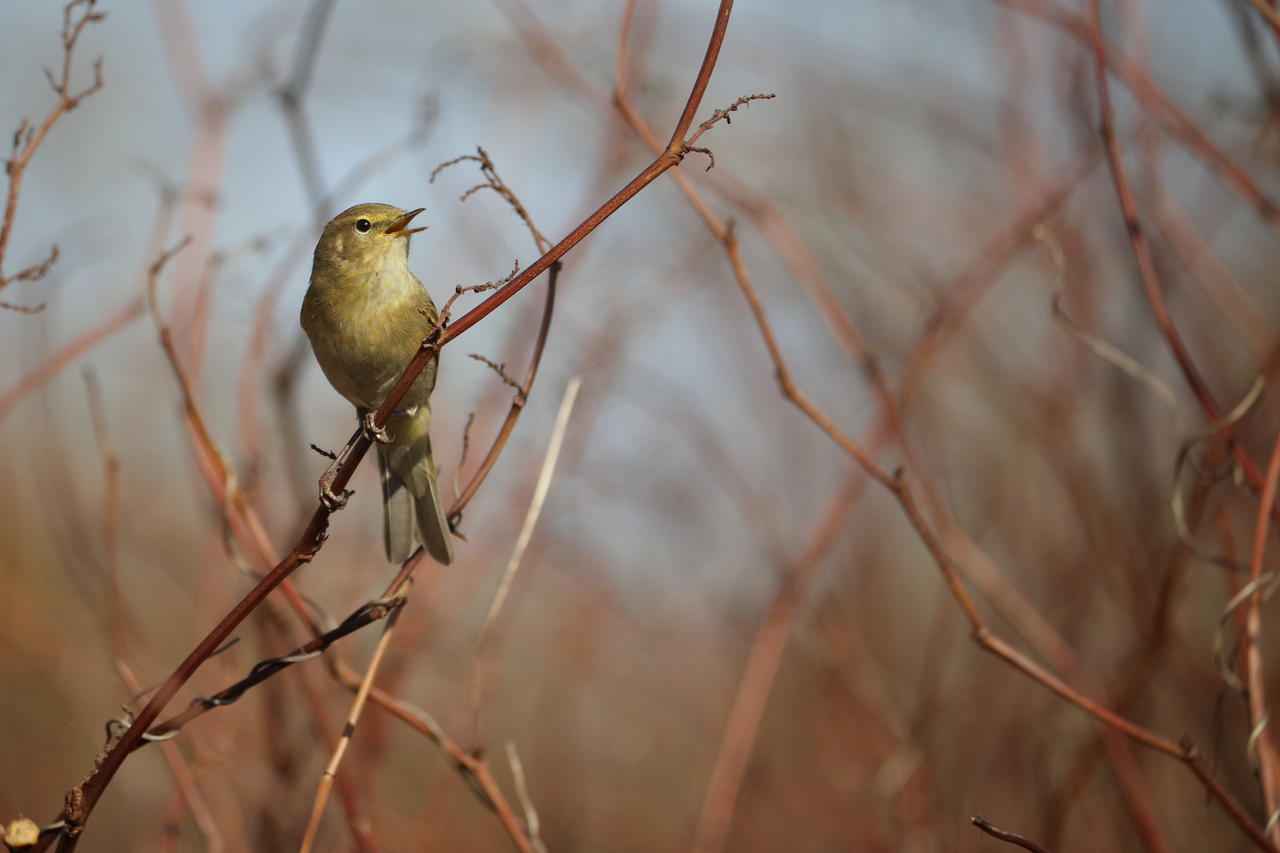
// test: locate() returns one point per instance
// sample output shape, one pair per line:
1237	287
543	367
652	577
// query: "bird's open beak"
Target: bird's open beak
397	228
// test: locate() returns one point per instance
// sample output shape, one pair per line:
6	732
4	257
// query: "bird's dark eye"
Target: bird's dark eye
363	225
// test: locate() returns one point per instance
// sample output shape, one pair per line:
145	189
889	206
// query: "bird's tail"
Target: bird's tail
411	500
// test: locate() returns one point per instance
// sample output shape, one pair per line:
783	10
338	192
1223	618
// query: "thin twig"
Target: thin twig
214	459
890	408
210	109
1004	835
500	369
1158	104
760	670
348	730
720	115
102	329
366	614
494	181
188	793
76	15
522	542
526	802
82	799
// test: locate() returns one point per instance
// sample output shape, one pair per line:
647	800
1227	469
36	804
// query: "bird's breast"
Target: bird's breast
364	336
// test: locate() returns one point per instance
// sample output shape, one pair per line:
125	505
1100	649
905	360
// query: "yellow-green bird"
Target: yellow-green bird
366	316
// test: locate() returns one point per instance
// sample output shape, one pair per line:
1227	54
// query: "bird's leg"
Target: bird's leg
375	432
331	500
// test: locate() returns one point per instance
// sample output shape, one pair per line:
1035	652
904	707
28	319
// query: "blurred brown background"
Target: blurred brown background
708	560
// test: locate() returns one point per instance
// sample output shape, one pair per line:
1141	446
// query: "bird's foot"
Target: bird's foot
331	500
375	432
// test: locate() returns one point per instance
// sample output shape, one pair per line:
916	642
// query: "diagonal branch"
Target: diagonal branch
82	799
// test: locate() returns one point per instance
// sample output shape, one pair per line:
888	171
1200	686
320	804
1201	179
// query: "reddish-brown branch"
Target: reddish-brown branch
69	352
215	466
898	485
1184	751
210	112
1142	254
471	767
1147	270
83	798
520	396
468	765
1009	601
761	669
117	628
1137	236
100	331
755	206
1161	107
240	515
518	400
789	248
1007	836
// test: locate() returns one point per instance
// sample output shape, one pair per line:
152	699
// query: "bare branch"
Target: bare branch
82	799
76	15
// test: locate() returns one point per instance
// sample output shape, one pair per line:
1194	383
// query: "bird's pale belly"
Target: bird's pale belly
363	361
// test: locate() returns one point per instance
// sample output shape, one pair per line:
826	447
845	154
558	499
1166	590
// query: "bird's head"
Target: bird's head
367	236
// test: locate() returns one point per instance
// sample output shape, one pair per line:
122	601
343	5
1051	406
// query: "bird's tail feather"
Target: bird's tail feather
432	524
411	498
399	521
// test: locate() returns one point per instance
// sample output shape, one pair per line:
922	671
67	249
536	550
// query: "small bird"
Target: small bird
366	315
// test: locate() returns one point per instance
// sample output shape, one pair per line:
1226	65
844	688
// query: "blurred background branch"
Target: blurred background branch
719	637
